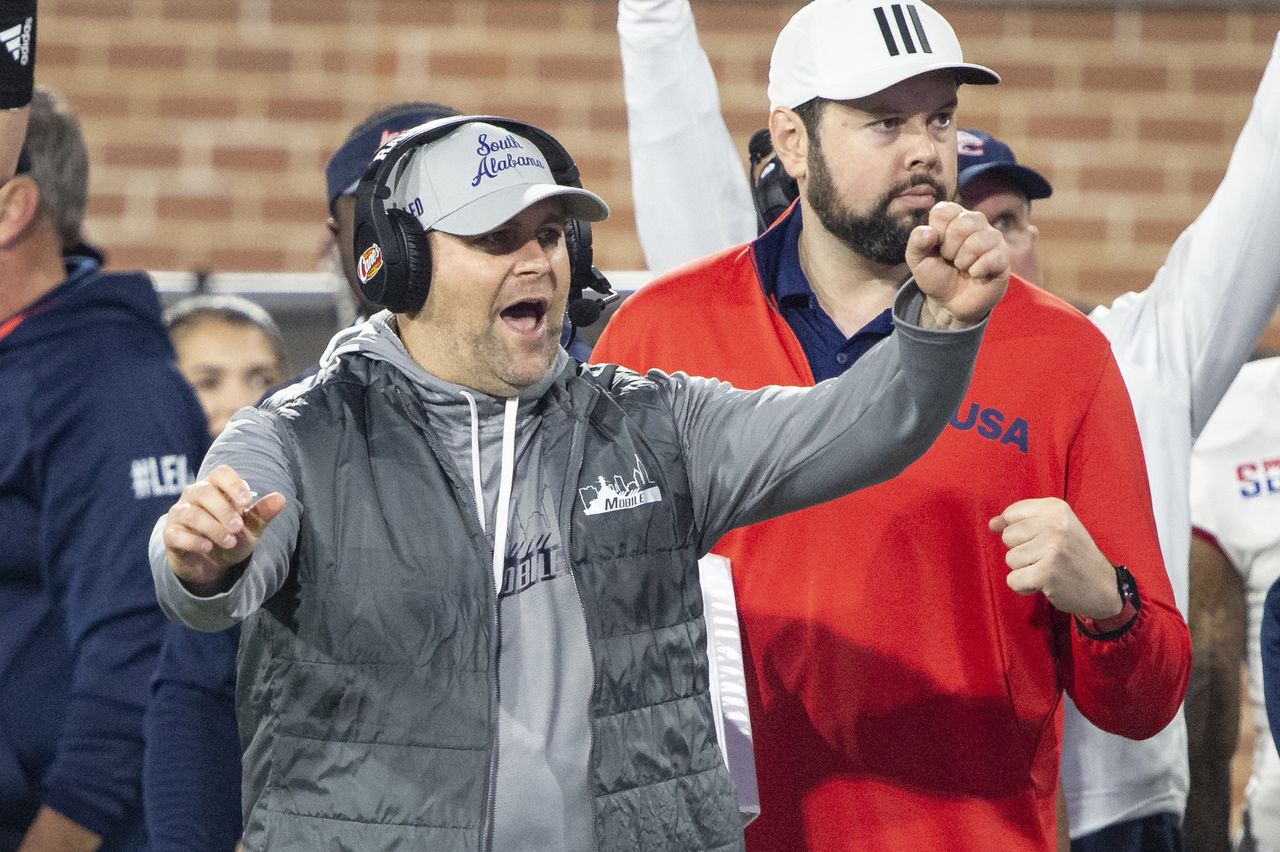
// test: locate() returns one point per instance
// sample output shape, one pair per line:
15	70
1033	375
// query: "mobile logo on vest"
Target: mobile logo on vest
607	496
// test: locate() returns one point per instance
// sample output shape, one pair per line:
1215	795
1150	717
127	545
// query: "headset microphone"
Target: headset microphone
760	146
772	189
584	311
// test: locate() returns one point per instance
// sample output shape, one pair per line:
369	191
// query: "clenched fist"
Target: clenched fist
961	263
214	526
1050	551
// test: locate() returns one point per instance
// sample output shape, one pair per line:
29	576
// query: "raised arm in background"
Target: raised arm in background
688	180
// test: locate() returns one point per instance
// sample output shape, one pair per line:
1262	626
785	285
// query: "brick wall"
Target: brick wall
209	121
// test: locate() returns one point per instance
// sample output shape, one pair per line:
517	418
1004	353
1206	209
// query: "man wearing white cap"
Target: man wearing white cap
471	614
910	643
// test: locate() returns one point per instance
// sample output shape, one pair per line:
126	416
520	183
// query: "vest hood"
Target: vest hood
378	338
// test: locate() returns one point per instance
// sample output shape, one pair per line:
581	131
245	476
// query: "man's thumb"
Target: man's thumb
263	512
922	242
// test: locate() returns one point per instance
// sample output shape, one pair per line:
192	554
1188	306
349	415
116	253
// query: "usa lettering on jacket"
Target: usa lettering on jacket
989	423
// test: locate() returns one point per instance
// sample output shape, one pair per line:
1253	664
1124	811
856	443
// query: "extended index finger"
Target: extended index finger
233	487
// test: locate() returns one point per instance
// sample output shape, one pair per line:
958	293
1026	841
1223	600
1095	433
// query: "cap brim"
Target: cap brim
1030	181
489	211
870	84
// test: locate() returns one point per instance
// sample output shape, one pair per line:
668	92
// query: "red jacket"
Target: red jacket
902	696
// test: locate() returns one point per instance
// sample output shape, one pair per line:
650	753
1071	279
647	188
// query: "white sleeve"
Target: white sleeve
690	188
1202	315
250	445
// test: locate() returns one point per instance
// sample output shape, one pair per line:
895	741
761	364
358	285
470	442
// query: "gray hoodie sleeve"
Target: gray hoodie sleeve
251	445
753	455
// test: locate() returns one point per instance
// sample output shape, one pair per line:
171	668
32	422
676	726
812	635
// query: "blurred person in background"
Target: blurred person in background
1270	637
1235	561
55	129
229	349
342	175
17	81
99	431
231	352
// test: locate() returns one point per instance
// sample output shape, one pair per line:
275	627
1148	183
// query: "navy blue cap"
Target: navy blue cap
347	165
983	154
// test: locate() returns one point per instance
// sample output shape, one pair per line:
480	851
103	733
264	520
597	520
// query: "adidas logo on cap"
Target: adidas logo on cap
17	41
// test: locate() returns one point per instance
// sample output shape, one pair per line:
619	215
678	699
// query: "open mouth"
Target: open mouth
527	316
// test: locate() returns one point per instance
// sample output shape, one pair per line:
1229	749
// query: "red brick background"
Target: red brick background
209	121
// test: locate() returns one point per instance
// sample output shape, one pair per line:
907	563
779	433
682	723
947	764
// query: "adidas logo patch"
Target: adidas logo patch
17	41
902	41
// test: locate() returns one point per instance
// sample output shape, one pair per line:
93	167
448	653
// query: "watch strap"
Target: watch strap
1122	622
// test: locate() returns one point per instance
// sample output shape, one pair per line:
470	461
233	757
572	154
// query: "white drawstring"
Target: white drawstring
475	459
504	491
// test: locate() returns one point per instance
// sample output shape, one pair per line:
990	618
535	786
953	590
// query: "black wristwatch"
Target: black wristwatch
1120	623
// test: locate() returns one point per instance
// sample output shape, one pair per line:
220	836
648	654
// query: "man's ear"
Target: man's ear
19	208
790	141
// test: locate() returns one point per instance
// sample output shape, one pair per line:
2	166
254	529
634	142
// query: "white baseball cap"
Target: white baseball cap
846	49
479	176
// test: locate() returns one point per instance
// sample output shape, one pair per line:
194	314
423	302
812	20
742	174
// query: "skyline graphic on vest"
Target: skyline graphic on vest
990	425
608	496
532	558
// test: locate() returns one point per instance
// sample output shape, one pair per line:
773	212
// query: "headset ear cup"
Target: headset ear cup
577	243
583	276
414	280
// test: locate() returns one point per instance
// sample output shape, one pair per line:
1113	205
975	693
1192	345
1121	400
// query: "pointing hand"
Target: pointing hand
214	526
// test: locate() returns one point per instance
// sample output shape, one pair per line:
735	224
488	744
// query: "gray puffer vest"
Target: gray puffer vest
367	684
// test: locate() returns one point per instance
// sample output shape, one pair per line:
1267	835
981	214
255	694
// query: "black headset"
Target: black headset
772	189
393	258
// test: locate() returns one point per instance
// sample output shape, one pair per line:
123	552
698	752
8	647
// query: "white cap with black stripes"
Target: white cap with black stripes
846	49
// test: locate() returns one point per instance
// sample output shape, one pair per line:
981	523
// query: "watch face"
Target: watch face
1127	586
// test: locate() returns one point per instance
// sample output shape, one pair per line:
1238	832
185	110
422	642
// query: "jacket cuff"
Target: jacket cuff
1091	629
907	307
206	614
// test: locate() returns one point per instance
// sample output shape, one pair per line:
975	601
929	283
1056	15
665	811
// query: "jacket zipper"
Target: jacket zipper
495	696
577	449
486	827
